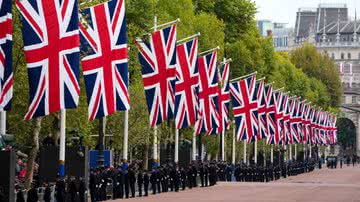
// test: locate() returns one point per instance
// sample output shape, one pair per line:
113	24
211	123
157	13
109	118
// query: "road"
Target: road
323	185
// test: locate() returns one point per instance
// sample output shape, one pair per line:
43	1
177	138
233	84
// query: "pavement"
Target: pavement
325	185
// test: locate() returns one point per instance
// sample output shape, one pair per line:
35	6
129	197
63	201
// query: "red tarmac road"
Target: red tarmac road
324	185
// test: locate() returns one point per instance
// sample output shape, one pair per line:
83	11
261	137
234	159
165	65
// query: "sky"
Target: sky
284	11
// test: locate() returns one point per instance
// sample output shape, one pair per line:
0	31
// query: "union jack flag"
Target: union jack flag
300	120
6	74
261	98
158	61
294	121
208	119
280	139
276	117
333	130
224	98
105	66
306	123
270	115
323	128
311	125
187	84
288	104
51	39
315	126
245	108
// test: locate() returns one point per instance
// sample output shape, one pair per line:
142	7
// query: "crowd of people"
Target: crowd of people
131	180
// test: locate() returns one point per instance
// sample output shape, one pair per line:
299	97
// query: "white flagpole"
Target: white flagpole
155	145
295	152
244	152
272	154
255	152
310	152
304	151
126	136
176	158
194	146
290	153
223	145
3	122
233	146
62	143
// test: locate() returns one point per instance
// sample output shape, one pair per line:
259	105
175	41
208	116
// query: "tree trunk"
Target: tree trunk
33	153
56	126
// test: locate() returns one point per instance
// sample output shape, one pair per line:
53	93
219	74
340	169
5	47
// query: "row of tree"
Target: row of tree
229	24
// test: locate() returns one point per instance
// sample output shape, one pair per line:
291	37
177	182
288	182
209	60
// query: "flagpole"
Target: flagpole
239	78
223	144
304	151
3	122
244	152
295	152
233	145
255	152
62	143
176	158
194	146
272	154
126	133
310	155
290	153
126	136
155	150
208	51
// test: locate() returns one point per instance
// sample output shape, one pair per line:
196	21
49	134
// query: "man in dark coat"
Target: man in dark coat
126	183
183	178
32	195
82	189
140	182
153	180
146	182
47	192
132	181
60	194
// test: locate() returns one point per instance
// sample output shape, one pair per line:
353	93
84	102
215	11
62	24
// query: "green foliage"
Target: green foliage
321	67
229	24
346	133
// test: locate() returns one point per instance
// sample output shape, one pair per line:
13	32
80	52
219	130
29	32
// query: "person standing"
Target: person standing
140	182
153	180
32	195
132	181
47	193
341	162
146	182
60	194
126	183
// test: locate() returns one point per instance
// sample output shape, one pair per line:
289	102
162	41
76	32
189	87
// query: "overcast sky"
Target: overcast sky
285	10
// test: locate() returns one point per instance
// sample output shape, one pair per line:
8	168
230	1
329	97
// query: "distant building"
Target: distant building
280	33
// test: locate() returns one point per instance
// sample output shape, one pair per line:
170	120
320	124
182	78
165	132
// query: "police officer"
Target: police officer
140	182
146	182
153	180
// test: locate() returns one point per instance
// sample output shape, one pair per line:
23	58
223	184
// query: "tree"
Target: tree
346	133
321	67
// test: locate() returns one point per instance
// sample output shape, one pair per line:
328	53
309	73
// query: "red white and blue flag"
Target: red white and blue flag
311	125
287	104
51	43
278	117
158	60
208	117
224	98
105	66
6	74
270	111
294	121
245	108
187	84
261	98
306	123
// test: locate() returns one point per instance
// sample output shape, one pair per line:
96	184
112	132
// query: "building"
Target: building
280	33
331	30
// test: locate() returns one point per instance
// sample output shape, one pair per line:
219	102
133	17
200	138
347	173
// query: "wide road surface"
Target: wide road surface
323	185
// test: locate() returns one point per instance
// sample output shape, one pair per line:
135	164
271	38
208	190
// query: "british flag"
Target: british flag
245	108
333	130
310	125
295	120
6	74
187	84
208	117
306	123
158	61
270	115
261	98
105	66
51	43
323	128
288	104
278	117
224	98
315	126
300	121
